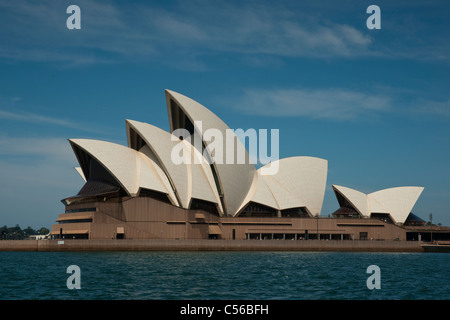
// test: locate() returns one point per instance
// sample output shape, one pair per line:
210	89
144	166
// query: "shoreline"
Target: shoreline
67	245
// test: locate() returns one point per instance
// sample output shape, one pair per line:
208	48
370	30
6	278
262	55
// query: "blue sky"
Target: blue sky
374	103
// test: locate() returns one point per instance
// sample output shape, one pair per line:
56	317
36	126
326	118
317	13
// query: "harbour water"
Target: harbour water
224	276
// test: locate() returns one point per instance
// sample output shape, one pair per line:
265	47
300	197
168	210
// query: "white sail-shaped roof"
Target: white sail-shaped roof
397	202
159	147
260	193
305	178
299	182
203	185
263	193
147	163
234	180
80	172
358	199
190	179
131	169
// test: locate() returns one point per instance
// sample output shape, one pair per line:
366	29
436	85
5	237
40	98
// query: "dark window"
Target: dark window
80	210
295	213
210	207
258	210
154	194
100	181
76	221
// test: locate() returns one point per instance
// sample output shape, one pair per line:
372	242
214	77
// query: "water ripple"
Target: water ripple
223	275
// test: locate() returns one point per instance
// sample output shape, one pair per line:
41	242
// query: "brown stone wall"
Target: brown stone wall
148	218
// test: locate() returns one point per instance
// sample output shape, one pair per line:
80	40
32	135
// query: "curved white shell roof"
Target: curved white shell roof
259	192
202	182
80	172
305	178
398	201
235	179
356	198
159	148
132	169
192	179
299	182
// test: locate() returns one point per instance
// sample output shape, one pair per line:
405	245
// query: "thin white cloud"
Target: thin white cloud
188	30
338	104
433	107
51	149
11	110
112	31
333	104
36	31
31	117
41	119
253	28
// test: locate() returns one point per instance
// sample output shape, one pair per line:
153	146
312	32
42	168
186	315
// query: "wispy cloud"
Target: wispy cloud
48	147
34	118
38	119
334	104
338	104
111	31
433	107
36	31
12	111
256	28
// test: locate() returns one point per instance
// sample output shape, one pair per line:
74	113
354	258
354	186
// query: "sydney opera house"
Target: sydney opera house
139	192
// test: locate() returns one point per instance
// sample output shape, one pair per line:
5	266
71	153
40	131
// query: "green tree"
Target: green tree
43	231
16	233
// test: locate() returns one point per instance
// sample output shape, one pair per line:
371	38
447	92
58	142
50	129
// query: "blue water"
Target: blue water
224	275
